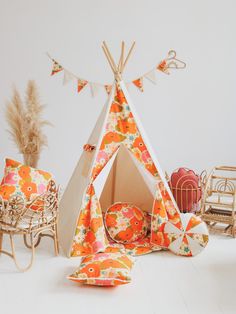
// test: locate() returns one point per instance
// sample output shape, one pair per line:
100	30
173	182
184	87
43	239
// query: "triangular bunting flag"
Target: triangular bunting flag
151	76
94	88
67	77
139	83
81	84
108	89
56	68
162	66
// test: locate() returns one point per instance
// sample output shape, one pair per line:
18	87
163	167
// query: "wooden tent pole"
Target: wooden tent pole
120	65
108	59
129	53
110	56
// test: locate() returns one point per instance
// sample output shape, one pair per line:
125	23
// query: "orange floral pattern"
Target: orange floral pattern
104	269
163	210
23	180
125	223
122	128
90	236
6	191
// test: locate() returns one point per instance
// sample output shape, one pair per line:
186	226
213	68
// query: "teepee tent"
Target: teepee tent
119	166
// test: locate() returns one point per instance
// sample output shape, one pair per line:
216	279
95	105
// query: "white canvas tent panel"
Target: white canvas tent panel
71	200
126	184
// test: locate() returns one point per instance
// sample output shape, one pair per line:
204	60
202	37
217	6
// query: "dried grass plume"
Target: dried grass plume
26	123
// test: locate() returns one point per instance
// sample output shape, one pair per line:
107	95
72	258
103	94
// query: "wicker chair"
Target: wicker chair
219	200
33	220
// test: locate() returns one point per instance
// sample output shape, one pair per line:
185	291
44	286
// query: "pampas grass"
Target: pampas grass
26	124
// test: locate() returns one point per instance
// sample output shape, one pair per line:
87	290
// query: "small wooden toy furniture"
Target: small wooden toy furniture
33	220
219	200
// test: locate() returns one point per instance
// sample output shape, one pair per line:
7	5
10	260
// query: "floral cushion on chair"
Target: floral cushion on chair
104	269
23	180
125	223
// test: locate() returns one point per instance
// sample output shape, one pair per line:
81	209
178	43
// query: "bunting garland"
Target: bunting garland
164	66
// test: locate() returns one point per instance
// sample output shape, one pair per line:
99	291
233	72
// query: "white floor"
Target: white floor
162	283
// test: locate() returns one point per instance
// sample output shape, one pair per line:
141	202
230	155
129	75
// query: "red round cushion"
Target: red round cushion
125	223
185	188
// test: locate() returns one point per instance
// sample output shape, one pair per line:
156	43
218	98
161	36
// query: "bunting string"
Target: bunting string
165	66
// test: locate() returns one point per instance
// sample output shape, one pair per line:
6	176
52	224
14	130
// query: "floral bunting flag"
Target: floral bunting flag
151	76
163	67
68	76
139	83
81	84
56	67
108	89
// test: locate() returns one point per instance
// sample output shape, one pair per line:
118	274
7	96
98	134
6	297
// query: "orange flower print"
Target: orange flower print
125	235
12	163
115	107
136	224
111	220
129	246
6	191
91	270
143	250
157	238
29	188
112	137
80	250
24	172
125	126
152	169
137	213
90	237
111	263
120	96
84	219
111	249
96	223
126	261
138	143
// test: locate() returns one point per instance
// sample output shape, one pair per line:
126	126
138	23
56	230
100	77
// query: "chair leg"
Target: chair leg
55	238
1	239
14	254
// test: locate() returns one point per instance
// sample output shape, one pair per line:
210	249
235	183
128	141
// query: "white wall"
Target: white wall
189	116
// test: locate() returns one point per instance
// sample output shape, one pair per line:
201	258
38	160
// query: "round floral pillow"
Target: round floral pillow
125	223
